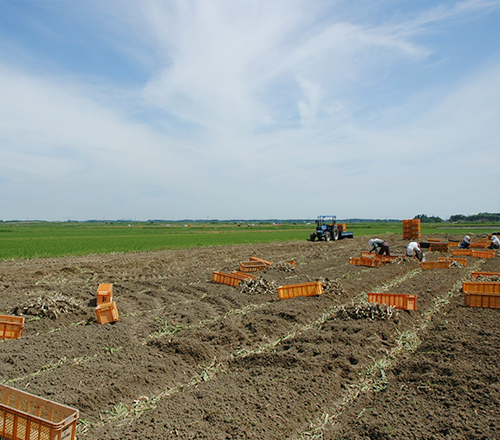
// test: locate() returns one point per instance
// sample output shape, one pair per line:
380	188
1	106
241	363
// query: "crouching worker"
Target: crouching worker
413	250
495	242
380	247
465	243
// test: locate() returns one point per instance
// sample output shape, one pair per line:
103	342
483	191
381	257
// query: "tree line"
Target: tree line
457	218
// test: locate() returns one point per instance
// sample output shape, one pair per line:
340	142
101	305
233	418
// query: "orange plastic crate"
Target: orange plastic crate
104	293
396	300
314	288
267	263
412	222
364	261
252	266
243	275
412	235
435	264
107	312
467	252
11	327
485	300
479	245
452	244
411	228
483	254
386	258
481	287
462	261
476	274
230	279
24	416
434	240
438	247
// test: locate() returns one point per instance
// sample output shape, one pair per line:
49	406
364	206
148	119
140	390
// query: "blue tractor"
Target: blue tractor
327	229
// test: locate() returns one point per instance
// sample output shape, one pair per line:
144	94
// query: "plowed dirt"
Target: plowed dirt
193	359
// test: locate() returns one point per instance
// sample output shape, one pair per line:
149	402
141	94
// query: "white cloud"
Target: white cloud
253	109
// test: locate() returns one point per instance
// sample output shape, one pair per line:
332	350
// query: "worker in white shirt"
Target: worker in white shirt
495	242
413	250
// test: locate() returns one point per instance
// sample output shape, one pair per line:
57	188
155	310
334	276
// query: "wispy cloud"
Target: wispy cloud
249	109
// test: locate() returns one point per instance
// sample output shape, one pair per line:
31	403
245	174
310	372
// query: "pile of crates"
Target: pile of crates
106	309
482	293
411	229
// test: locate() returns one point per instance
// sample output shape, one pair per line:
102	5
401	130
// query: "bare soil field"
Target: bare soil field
193	359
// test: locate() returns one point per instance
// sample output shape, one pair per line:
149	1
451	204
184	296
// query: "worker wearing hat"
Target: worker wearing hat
495	242
413	250
465	242
380	247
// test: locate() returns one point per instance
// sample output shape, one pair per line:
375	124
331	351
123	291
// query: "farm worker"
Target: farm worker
465	242
495	242
413	250
380	247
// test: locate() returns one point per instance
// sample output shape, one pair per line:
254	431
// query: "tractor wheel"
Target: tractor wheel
312	237
335	234
327	236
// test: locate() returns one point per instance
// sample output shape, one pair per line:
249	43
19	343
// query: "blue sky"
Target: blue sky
239	109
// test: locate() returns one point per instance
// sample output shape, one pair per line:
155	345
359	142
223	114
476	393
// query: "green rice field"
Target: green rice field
46	239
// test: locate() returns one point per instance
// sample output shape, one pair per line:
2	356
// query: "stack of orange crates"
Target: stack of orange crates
106	309
411	229
482	294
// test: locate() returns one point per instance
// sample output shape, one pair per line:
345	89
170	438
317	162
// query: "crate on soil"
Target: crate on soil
252	266
478	245
485	300
104	293
481	287
11	327
466	252
435	264
107	313
243	275
483	254
267	263
434	240
476	274
229	279
397	300
462	261
386	258
24	416
313	288
365	261
438	247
